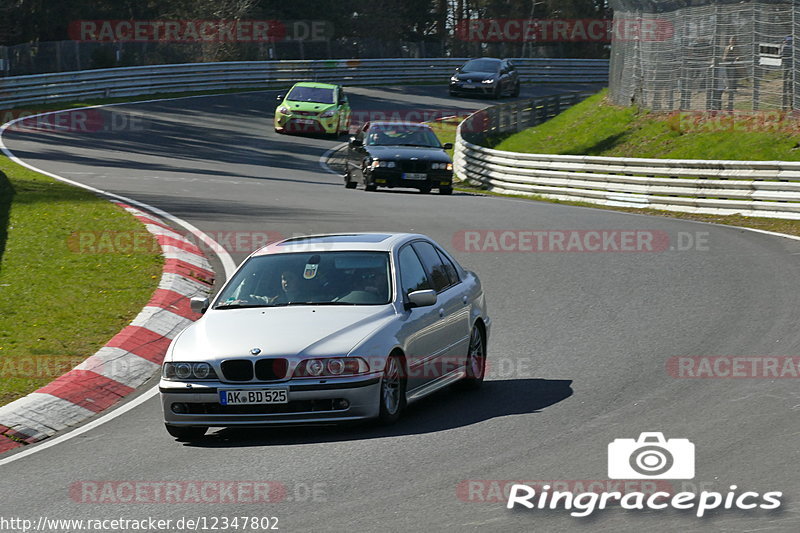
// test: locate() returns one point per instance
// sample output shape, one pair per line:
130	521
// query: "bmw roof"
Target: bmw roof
382	242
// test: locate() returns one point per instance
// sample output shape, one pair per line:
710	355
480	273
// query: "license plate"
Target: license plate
253	397
469	85
305	121
415	176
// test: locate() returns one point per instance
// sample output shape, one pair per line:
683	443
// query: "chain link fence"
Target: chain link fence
709	55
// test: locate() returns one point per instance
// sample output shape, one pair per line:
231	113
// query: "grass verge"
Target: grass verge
564	135
58	305
596	127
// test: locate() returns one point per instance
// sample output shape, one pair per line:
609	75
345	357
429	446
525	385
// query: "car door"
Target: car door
344	111
452	307
420	330
505	77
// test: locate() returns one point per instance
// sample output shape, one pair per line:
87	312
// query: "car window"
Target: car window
412	274
433	265
449	268
481	65
310	278
319	95
402	135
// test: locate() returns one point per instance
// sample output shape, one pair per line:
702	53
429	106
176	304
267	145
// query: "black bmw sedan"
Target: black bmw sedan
485	76
398	154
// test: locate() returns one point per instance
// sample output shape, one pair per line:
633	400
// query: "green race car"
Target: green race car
313	108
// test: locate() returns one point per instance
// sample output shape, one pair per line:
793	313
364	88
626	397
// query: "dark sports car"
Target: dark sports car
398	154
486	76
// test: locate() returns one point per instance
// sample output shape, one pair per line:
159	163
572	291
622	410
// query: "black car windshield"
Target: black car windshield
320	95
310	278
481	65
402	135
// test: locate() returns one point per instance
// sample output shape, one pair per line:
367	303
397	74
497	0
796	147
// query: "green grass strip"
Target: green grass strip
59	303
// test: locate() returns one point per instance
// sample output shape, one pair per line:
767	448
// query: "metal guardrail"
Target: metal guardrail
750	188
135	81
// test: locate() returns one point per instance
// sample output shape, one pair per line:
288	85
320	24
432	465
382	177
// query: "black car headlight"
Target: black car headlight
330	367
441	166
383	164
187	371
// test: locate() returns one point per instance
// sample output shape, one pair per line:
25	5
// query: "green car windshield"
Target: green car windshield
313	278
320	95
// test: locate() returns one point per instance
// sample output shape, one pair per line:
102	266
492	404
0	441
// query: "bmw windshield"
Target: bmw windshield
402	135
314	278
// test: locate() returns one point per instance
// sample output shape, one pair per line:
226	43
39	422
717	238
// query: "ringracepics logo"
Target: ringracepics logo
564	30
651	456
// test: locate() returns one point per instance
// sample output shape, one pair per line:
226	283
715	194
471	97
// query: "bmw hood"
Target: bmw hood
389	153
279	331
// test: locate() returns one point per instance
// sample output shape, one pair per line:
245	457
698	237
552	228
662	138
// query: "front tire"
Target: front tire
445	190
425	190
393	391
476	360
185	434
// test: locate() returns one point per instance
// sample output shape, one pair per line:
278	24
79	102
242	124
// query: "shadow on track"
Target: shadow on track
447	409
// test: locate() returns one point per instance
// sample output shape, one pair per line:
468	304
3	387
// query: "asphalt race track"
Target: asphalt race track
578	353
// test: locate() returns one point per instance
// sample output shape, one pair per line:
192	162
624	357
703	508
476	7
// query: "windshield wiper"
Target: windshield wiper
239	306
421	145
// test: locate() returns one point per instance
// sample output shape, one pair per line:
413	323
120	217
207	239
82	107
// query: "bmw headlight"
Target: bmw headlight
453	78
187	371
384	164
283	110
442	166
491	80
331	367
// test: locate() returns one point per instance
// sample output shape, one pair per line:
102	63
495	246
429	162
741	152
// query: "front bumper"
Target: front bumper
472	88
310	401
383	177
305	123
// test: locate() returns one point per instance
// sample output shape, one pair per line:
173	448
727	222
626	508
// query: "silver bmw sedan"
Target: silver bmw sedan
327	329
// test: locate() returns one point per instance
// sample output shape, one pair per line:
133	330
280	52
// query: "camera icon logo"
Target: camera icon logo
651	457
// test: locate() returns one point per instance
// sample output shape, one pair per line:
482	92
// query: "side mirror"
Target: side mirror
355	142
424	298
458	69
199	305
448	146
279	99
